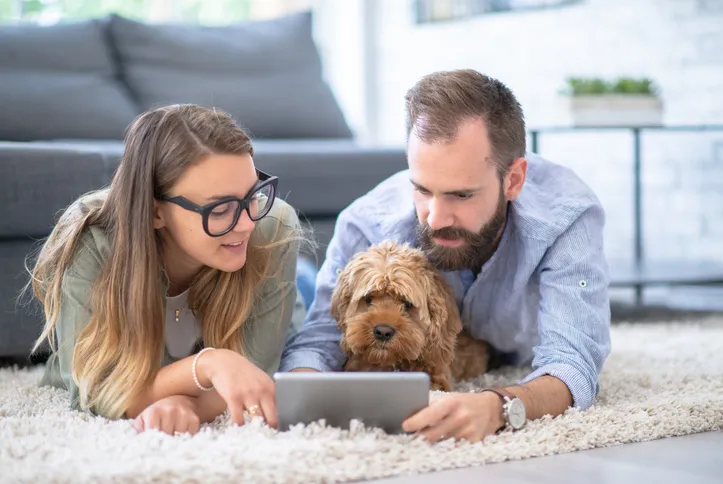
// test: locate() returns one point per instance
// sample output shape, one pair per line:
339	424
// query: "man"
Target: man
518	238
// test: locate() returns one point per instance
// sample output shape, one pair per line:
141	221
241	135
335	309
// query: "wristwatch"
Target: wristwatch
513	409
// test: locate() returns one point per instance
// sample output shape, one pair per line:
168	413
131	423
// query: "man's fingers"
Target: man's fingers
447	428
429	416
471	434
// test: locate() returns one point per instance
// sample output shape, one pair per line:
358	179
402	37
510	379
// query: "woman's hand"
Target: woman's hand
241	384
176	414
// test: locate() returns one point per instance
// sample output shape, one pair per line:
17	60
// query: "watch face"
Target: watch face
516	413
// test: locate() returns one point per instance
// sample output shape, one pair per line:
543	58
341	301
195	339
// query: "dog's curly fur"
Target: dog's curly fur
397	313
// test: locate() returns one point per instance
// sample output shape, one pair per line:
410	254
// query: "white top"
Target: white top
181	336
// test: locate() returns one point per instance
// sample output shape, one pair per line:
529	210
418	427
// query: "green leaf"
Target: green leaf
579	86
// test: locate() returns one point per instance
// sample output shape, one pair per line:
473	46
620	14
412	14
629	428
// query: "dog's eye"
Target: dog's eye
368	299
408	305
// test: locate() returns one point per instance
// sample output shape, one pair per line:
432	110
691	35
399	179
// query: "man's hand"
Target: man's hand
473	416
469	416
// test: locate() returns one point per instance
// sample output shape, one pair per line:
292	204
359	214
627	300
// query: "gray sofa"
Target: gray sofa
68	92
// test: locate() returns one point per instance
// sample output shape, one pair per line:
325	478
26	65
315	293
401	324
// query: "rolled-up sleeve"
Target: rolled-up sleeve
574	314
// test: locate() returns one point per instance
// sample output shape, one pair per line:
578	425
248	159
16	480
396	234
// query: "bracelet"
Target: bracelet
193	370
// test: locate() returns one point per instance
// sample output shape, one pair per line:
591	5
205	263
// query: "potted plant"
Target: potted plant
620	102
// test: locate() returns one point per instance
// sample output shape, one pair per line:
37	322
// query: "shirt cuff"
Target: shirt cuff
579	385
304	359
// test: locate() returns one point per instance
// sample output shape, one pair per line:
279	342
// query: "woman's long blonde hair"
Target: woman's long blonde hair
120	349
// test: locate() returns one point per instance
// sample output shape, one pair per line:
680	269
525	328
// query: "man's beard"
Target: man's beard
477	249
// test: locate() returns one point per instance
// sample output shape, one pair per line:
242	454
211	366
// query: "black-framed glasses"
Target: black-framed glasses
221	216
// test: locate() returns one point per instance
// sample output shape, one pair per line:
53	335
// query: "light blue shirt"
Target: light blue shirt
542	298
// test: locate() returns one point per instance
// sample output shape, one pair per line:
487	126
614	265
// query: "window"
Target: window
427	11
192	11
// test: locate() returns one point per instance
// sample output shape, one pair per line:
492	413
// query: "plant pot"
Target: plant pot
616	110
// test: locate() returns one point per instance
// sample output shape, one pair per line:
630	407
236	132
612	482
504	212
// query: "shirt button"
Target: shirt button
583	283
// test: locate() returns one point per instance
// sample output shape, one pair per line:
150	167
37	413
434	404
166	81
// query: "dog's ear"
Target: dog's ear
442	306
340	300
341	297
445	321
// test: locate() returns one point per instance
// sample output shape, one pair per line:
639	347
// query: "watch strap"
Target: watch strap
505	400
503	395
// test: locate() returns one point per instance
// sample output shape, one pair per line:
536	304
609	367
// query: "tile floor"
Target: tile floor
688	459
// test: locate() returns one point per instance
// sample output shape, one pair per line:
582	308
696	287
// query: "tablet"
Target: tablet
377	399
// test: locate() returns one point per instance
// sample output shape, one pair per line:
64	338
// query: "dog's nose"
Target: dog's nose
383	332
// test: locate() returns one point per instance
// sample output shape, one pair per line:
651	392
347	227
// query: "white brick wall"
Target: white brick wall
339	32
679	43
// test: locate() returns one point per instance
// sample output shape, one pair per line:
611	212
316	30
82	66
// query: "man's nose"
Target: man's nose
438	217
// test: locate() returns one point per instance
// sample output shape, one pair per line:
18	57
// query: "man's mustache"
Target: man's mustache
449	233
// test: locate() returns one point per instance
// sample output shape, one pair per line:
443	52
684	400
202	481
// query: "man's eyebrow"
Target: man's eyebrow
461	191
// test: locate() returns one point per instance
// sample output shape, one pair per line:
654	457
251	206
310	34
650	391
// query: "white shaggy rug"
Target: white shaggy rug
661	380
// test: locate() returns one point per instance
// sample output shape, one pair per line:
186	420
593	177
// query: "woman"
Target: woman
187	248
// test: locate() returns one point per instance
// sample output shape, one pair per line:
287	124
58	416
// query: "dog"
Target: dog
397	313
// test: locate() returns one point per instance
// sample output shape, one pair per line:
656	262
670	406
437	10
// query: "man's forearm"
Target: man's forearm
545	395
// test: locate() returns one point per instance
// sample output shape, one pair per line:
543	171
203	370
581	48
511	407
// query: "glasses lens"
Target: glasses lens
222	217
261	202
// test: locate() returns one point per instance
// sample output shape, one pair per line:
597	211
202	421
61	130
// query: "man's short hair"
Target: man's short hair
439	102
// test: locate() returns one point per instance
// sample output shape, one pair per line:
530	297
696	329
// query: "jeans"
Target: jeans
306	280
306	285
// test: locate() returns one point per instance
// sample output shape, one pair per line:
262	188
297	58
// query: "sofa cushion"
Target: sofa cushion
59	82
322	177
39	180
21	315
319	177
267	74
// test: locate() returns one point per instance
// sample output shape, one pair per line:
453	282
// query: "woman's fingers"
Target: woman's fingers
253	393
268	406
237	414
180	426
152	420
138	424
170	417
168	421
194	424
236	408
260	401
253	407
